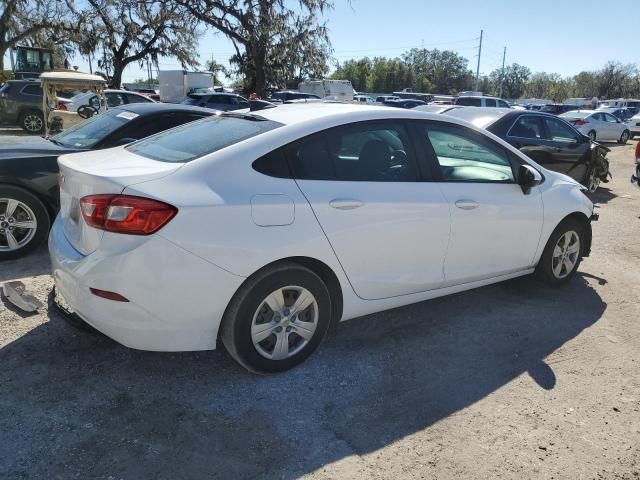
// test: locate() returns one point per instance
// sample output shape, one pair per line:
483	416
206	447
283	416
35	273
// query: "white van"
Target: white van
340	90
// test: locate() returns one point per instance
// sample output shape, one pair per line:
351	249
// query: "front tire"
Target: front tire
277	318
562	254
624	138
32	121
592	135
24	222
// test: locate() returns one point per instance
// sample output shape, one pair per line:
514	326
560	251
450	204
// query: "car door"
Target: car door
387	223
597	123
614	126
495	227
571	153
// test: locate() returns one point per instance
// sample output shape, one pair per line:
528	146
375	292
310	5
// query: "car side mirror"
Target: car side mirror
528	177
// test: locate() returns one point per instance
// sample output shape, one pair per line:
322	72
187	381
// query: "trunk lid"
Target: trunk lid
102	171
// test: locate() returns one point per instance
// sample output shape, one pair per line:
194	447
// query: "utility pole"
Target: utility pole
478	68
504	55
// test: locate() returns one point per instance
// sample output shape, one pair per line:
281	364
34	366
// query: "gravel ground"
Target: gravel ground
514	380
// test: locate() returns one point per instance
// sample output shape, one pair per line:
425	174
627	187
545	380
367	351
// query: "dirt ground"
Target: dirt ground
514	380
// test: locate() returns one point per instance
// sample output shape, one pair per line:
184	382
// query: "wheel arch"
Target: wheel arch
326	274
584	221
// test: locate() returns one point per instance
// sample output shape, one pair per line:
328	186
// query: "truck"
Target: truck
175	85
341	90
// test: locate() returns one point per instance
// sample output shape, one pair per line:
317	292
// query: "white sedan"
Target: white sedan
262	229
599	125
115	98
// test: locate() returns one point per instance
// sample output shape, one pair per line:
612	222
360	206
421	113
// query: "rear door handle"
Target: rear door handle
345	203
467	204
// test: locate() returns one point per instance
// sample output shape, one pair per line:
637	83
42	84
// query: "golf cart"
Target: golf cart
51	82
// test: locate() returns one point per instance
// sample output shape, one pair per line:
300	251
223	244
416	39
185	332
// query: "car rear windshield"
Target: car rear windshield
89	132
188	142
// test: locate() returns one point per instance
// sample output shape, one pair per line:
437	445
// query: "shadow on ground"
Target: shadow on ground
76	405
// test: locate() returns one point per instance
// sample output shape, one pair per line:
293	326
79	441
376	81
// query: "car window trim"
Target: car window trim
324	133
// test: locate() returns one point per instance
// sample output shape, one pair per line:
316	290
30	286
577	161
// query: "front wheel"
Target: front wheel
624	138
592	135
24	222
592	181
277	318
562	254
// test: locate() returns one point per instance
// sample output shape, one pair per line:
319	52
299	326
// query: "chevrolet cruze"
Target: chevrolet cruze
262	229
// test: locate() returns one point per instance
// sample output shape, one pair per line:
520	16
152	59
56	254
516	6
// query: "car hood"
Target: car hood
33	148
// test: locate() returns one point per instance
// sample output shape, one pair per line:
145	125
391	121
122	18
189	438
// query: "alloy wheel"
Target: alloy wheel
32	122
593	182
566	254
625	137
284	322
18	224
592	135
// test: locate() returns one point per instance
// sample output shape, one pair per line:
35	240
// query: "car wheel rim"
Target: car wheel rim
33	123
18	224
284	323
592	135
565	254
625	137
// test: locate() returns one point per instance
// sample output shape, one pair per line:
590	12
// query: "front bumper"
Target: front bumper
176	300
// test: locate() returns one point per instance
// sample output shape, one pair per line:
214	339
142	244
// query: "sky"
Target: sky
561	36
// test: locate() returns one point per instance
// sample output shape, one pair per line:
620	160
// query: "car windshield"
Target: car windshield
86	134
575	114
188	142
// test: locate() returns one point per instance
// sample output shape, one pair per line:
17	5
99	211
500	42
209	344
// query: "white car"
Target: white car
363	99
633	124
600	126
115	98
262	229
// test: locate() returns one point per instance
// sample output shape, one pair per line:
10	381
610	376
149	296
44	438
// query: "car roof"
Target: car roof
151	108
481	116
213	94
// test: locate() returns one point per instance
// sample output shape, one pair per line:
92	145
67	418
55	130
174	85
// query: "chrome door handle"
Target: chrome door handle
467	204
345	203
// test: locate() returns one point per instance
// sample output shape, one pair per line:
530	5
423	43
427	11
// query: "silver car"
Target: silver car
599	125
633	124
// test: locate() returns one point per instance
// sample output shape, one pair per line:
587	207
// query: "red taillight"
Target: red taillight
578	123
62	106
126	213
116	297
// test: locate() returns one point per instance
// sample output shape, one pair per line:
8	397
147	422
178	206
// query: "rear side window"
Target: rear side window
194	140
466	156
32	90
469	102
527	127
370	152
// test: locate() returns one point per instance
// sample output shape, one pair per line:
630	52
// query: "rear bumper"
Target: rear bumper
176	300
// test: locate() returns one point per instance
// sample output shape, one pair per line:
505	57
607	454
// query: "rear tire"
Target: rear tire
592	135
19	207
277	318
562	254
624	138
32	121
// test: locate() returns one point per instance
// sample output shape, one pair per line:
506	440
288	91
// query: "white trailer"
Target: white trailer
341	90
175	85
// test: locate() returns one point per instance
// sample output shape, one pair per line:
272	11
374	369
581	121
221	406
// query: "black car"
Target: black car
547	139
29	170
218	101
404	103
285	95
557	108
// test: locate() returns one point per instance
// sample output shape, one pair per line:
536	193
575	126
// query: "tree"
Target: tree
22	20
274	44
217	69
445	70
514	80
132	31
